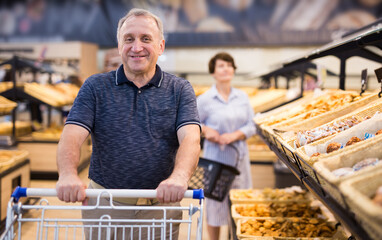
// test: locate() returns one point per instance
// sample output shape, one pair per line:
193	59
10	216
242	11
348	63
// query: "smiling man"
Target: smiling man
144	126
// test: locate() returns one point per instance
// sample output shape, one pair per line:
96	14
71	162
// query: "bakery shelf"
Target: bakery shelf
17	92
20	94
354	44
345	216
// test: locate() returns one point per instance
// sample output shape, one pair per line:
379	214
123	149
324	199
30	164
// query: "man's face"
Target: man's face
140	45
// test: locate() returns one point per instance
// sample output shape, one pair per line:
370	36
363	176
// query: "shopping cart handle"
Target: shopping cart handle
127	193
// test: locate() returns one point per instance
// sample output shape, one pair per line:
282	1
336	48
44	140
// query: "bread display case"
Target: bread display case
288	139
41	139
14	171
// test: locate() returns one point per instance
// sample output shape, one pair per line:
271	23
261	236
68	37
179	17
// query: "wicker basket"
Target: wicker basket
289	149
299	122
307	161
366	111
331	183
267	99
256	196
9	158
358	192
339	234
314	211
289	108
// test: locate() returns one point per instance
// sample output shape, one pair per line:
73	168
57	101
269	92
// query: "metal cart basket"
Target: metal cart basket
65	222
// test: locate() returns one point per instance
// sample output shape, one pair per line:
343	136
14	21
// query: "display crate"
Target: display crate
43	154
331	183
10	178
358	192
338	234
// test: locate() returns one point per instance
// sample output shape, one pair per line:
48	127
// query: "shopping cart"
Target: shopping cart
54	222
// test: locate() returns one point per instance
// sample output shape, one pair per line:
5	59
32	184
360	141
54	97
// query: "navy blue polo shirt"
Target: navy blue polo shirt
133	129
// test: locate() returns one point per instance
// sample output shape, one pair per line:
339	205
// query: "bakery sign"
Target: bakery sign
190	22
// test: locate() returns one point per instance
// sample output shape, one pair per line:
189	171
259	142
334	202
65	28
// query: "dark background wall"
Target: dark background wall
189	22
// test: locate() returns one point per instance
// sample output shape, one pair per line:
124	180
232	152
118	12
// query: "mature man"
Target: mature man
144	125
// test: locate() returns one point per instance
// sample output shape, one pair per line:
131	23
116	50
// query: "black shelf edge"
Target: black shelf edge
13	168
53	175
366	38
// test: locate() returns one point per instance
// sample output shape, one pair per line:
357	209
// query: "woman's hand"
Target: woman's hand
211	134
228	138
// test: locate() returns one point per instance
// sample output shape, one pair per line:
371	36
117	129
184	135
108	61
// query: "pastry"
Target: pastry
333	147
340	172
378	197
378	132
309	136
353	140
364	163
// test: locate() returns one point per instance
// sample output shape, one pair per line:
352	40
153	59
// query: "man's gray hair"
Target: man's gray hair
141	12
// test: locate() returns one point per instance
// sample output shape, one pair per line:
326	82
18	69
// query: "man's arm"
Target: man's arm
173	188
69	186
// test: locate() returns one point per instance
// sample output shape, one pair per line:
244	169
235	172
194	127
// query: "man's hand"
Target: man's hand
172	189
70	188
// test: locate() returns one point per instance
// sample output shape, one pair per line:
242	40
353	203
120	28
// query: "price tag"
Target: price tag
363	81
378	73
321	75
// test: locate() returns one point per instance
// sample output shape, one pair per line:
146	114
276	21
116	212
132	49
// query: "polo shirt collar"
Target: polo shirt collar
120	77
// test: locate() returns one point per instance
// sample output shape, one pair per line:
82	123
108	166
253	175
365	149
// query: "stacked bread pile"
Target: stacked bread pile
267	99
68	89
22	128
4	86
291	194
52	133
327	102
54	96
9	158
6	105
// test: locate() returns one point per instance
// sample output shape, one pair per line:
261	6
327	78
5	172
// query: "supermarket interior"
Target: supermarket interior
298	94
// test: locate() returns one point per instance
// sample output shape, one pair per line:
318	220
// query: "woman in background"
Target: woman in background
226	117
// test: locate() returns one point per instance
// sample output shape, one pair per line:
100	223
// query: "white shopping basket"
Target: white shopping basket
52	222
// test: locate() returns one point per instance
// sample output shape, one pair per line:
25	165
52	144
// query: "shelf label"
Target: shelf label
378	73
364	79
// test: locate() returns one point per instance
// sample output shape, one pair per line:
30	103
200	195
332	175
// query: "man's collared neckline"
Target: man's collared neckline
120	77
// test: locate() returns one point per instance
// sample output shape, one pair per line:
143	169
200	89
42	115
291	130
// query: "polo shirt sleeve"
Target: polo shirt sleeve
83	110
187	110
